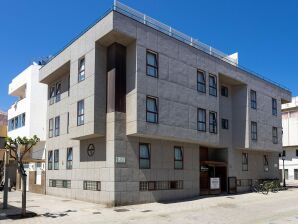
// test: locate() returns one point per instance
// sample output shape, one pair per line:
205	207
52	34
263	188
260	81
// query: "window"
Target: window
58	92
57	126
253	99
160	185
212	85
52	94
244	161
266	164
69	158
295	174
151	110
225	123
254	131
274	135
60	183
51	127
16	122
81	111
67	128
224	91
144	156
56	159
274	107
91	185
81	72
50	160
23	119
212	122
178	157
201	82
296	152
201	119
52	183
152	64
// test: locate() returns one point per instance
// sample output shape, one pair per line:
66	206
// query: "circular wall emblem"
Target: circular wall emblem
90	150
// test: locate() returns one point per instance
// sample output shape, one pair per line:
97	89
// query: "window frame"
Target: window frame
274	135
149	155
254	134
244	161
51	129
81	72
201	122
52	94
155	67
56	160
58	95
50	160
176	160
274	107
152	112
253	99
199	83
57	126
211	87
212	126
68	161
225	124
79	115
224	91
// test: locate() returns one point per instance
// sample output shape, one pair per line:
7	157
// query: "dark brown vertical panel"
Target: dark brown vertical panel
116	80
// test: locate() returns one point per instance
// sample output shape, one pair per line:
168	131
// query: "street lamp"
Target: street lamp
283	157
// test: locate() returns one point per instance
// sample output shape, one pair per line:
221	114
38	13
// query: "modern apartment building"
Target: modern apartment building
26	118
290	140
139	112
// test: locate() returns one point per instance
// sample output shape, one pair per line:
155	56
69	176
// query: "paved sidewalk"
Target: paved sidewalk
281	207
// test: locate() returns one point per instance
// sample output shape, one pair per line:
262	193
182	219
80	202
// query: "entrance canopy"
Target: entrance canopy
214	163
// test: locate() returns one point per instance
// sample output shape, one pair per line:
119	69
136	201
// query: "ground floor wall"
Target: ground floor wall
290	164
114	177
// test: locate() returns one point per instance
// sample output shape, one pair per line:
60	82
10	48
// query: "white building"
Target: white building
290	140
27	117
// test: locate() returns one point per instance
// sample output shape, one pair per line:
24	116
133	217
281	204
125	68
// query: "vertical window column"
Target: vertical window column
56	159
144	156
81	113
151	109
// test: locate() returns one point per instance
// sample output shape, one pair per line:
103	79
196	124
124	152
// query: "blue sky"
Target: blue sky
265	33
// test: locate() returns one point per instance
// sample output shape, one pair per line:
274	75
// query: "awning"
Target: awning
214	163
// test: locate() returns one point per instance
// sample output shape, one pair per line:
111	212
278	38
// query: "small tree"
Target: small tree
18	148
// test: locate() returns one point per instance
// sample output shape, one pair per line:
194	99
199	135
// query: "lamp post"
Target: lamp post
283	157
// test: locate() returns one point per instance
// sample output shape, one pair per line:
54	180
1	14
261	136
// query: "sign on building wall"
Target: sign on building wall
214	183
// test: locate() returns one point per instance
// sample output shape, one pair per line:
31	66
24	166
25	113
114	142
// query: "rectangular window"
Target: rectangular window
52	94
91	185
152	64
266	164
201	119
274	107
144	158
212	85
81	72
80	112
253	99
296	152
201	82
274	135
56	159
52	183
178	157
244	161
295	174
254	131
58	92
212	122
160	185
16	122
225	123
151	109
50	160
224	91
57	126
51	127
23	119
69	158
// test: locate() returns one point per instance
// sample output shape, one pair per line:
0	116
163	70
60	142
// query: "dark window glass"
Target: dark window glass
91	185
224	91
201	119
50	160
274	107
51	127
57	126
254	131
213	122
151	110
144	156
225	123
52	94
23	119
152	64
296	152
253	99
244	161
81	113
69	158
295	174
56	159
201	82
58	91
178	157
274	135
212	85
81	72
